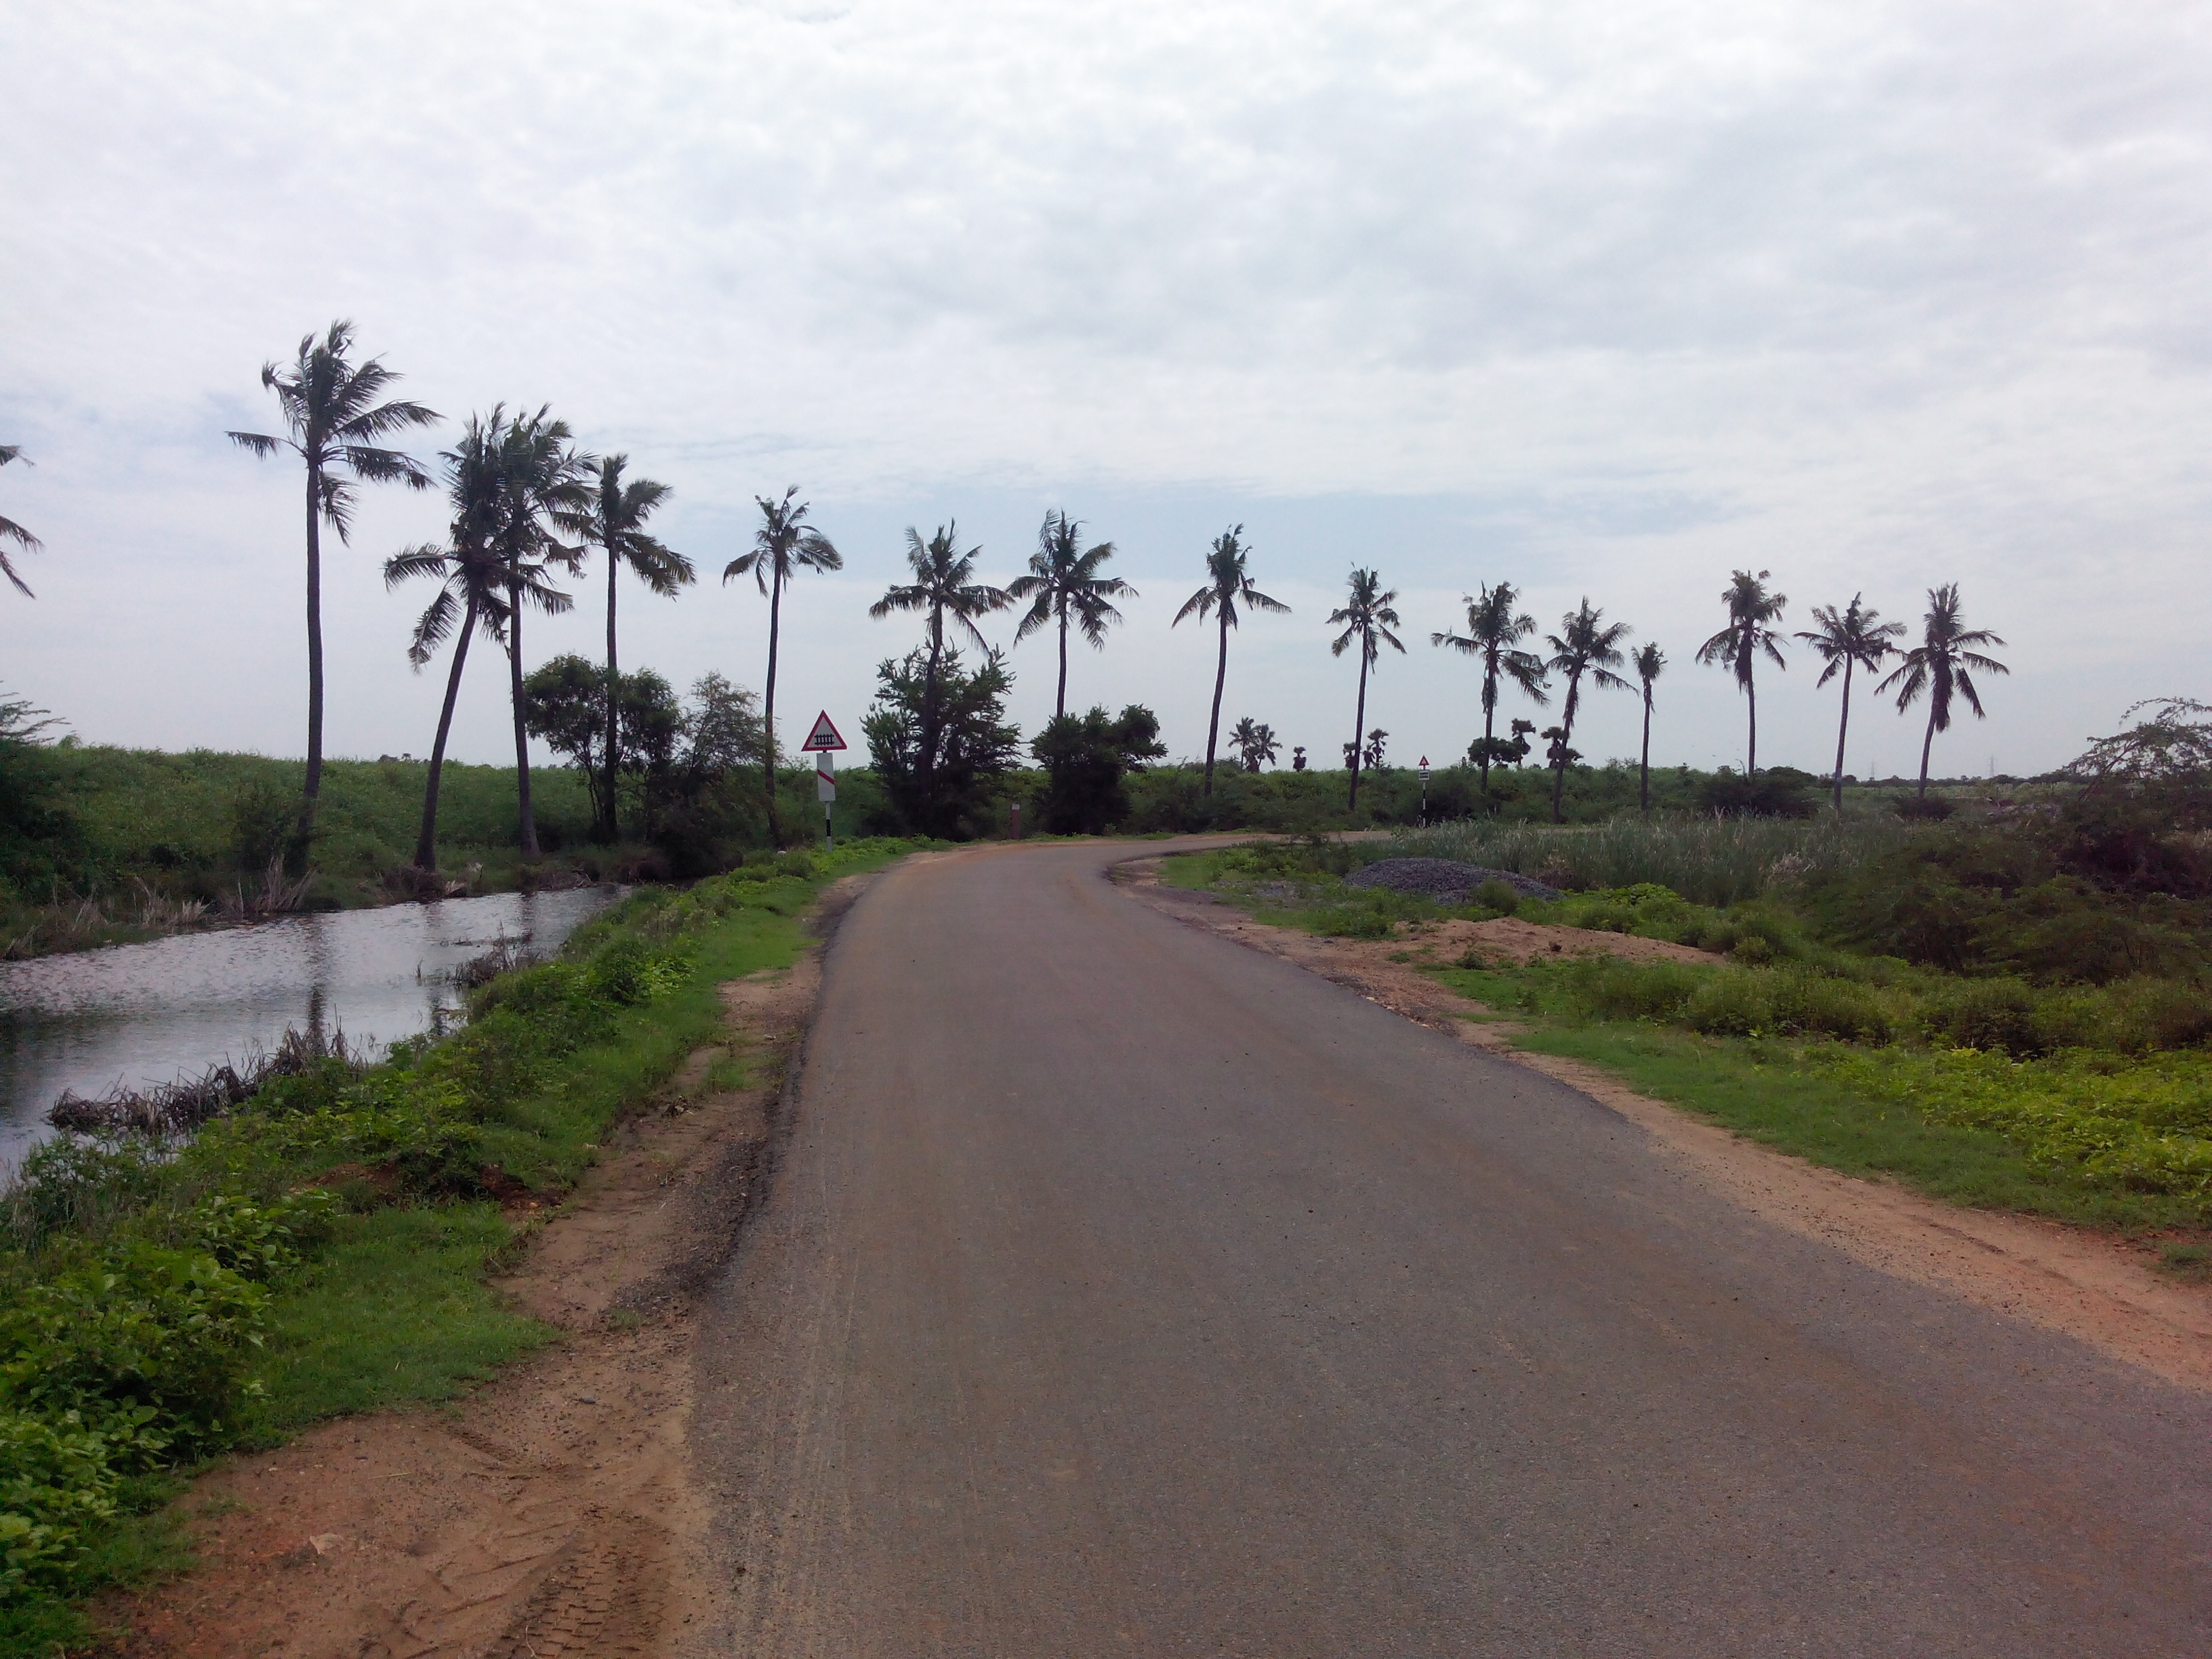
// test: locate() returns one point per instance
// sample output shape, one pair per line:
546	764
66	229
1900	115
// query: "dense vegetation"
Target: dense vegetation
321	1249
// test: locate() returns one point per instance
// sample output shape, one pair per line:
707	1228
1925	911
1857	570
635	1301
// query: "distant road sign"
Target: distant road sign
824	734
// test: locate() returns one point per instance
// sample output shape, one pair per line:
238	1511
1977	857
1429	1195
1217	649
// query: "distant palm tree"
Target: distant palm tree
1492	630
1064	580
1252	743
943	586
1367	617
783	545
1228	584
1858	638
1585	644
334	418
1940	666
12	532
1751	611
616	524
472	584
1649	661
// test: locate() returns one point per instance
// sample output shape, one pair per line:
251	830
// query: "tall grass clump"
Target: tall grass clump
1713	861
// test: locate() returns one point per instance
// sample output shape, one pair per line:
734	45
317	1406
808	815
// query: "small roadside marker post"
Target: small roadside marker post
824	742
1425	789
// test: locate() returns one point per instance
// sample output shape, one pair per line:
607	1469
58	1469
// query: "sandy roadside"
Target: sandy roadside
2098	1289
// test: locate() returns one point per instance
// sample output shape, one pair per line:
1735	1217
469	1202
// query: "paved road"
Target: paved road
1126	1291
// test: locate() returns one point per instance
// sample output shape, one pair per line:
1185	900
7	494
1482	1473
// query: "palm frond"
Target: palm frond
259	443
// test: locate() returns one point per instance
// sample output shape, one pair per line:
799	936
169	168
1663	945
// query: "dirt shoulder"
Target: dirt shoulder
2096	1289
550	1512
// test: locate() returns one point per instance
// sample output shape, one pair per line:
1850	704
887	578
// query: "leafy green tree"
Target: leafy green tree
1858	638
12	532
1084	757
565	708
943	586
1650	661
1252	743
1064	585
1367	617
38	833
1494	629
1942	666
1228	584
616	524
1585	646
1752	612
927	709
783	545
336	416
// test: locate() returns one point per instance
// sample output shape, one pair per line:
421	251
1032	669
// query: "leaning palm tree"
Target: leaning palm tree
783	545
943	586
1649	661
1751	610
616	523
1585	645
12	532
1367	617
1228	584
1063	583
1492	630
1942	666
334	417
1858	638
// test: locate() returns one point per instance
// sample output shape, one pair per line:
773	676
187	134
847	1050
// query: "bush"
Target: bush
1500	897
1923	809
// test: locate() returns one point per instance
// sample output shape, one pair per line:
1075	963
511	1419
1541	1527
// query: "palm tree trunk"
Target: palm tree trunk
1359	727
929	721
1843	727
1213	724
609	827
527	819
1489	724
1059	698
767	721
1566	737
1643	767
425	845
1751	759
315	783
1926	743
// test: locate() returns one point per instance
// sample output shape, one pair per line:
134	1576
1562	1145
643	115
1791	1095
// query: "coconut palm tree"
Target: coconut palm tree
1492	628
542	491
1751	610
335	413
1649	661
12	532
783	545
1252	743
1228	584
1367	617
1585	645
1942	665
943	586
1858	638
616	523
1064	582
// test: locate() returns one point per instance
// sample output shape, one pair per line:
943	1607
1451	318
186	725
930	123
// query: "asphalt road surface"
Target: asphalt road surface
1125	1291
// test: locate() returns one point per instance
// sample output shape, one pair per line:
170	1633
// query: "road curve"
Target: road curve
1126	1291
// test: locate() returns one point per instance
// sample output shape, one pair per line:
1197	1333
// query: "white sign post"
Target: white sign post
824	742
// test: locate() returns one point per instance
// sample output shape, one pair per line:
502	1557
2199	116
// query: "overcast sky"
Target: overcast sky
1598	300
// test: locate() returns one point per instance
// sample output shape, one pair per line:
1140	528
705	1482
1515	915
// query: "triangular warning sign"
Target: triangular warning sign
824	735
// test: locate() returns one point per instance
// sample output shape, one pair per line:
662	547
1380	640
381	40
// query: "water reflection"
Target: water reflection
147	1014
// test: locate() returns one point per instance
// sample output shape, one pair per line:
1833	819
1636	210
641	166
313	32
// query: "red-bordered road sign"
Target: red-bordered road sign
824	734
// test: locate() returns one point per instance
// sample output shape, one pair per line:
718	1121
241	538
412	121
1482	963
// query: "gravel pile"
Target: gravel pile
1445	879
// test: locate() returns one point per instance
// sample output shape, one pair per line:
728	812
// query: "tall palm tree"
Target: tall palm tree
12	532
1492	630
542	491
1649	661
1585	645
1367	617
1228	584
1942	665
943	586
335	413
1858	638
1063	582
783	545
1253	743
616	524
472	584
1751	610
